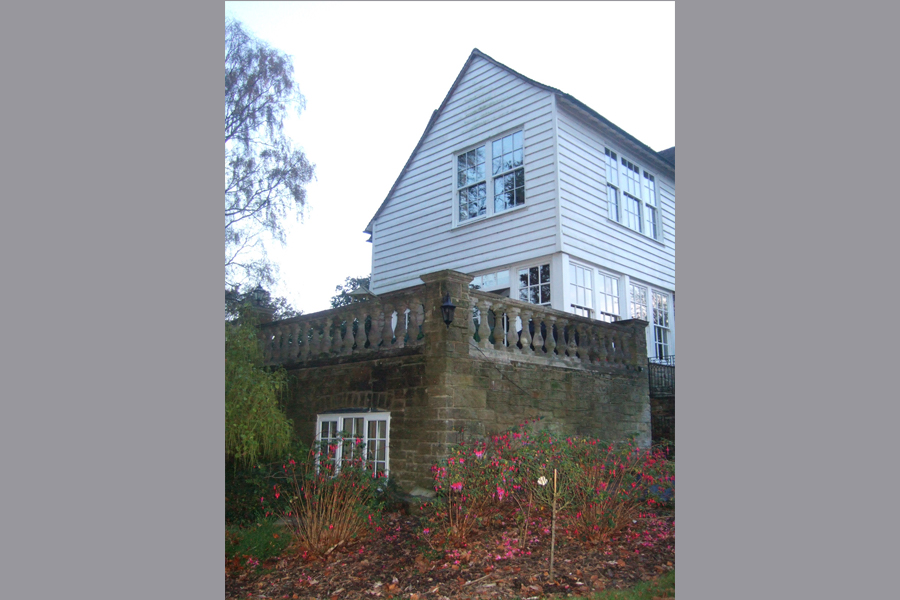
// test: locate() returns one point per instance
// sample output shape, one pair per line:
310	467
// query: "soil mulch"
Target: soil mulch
404	562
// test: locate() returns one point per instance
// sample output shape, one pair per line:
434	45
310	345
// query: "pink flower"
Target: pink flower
479	453
500	493
456	486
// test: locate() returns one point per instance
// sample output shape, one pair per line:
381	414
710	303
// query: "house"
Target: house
541	199
552	232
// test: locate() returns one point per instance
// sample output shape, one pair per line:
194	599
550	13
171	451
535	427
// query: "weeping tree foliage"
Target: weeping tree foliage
265	176
255	425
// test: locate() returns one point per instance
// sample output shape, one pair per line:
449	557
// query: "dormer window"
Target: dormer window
496	165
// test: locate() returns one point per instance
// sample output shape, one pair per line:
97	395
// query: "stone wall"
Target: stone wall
471	379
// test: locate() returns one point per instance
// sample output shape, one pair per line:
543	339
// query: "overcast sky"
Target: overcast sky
373	72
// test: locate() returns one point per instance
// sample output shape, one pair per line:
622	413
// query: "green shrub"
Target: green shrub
252	493
256	543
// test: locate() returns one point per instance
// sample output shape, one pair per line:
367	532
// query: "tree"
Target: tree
351	283
237	298
264	175
255	425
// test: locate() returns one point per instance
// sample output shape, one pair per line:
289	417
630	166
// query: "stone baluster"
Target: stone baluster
347	342
361	336
420	319
586	349
498	330
313	340
512	336
538	340
484	326
387	331
550	340
276	343
303	341
403	323
571	343
331	332
602	346
290	354
525	339
375	327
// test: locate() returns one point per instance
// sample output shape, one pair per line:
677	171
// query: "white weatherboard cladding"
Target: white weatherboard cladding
587	231
414	232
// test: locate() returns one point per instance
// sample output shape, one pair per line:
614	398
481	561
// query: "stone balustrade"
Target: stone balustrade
364	328
519	329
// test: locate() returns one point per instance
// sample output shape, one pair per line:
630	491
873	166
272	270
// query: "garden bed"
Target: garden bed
401	562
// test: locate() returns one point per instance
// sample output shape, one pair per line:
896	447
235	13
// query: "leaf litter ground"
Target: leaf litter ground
402	561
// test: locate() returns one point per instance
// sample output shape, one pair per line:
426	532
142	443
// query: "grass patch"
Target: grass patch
260	541
662	587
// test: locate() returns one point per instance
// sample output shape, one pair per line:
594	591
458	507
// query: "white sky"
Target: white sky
373	72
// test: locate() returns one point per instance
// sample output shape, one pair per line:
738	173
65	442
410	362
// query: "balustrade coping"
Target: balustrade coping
378	301
521	304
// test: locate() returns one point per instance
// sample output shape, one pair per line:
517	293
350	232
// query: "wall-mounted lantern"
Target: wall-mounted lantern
447	310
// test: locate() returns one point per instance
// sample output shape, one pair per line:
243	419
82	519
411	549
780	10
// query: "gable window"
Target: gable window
505	178
344	437
631	195
580	281
534	284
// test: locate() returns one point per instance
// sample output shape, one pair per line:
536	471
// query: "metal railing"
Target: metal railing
662	376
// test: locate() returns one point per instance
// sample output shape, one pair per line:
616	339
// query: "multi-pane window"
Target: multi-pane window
581	290
509	175
612	184
631	195
607	298
638	301
471	185
506	156
344	438
660	324
649	205
492	282
534	284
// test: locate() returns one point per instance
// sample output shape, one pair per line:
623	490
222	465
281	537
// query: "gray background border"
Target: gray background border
112	422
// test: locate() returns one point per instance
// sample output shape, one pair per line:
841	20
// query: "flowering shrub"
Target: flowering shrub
327	510
599	487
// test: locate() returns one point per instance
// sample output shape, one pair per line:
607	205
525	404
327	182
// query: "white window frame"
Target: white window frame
624	190
661	324
667	329
489	178
604	315
344	443
587	306
539	283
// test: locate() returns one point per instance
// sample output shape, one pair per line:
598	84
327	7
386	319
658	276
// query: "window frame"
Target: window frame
589	306
341	442
539	283
489	178
649	307
662	331
640	194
